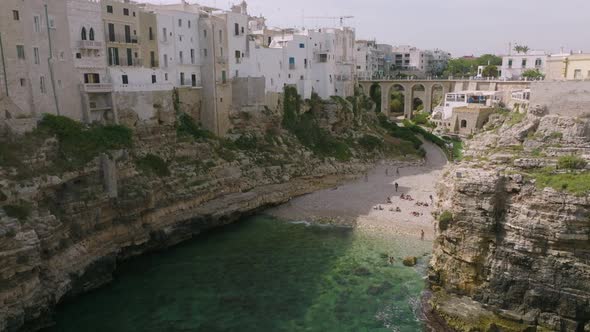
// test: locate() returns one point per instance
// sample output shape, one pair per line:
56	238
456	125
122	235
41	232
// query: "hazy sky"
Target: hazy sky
463	27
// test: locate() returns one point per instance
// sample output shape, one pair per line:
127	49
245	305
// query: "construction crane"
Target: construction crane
341	18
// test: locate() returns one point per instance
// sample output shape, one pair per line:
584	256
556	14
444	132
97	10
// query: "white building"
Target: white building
366	59
465	98
178	45
88	51
514	65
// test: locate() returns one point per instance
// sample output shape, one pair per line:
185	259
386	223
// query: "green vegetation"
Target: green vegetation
185	126
426	134
575	183
444	219
468	66
375	95
402	133
21	212
571	162
457	149
307	130
153	164
515	118
533	74
79	144
490	71
370	143
396	104
521	49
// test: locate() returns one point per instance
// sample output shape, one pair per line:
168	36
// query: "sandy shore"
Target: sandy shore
357	203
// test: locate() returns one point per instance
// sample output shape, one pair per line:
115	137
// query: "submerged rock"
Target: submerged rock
410	261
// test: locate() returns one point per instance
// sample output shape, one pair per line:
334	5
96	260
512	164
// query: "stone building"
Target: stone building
37	65
568	67
366	59
465	120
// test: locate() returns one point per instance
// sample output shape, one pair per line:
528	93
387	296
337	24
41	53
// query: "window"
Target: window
37	23
165	60
238	54
78	55
15	15
153	79
181	78
236	29
301	45
220	36
23	82
509	63
151	34
291	63
242	30
205	52
165	76
153	59
36	55
204	33
180	22
113	56
463	123
523	63
164	34
83	34
110	9
127	34
192	56
189	24
223	77
42	84
221	51
90	78
305	64
126	11
129	57
180	37
59	84
180	57
125	79
20	51
578	74
538	63
111	28
91	34
194	80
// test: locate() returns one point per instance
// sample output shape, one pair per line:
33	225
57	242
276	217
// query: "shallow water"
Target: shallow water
260	274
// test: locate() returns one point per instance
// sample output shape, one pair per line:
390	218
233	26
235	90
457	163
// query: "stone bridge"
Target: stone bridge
425	90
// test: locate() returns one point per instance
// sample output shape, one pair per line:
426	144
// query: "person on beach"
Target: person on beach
397	171
396	186
431	200
422	234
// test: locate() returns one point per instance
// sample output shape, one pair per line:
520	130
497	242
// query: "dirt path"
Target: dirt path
357	203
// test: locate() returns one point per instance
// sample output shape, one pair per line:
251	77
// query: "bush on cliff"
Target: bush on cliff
396	131
186	126
79	144
20	212
371	143
444	220
153	164
571	162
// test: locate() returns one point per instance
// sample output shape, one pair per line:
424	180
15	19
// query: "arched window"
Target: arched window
91	34
463	123
83	33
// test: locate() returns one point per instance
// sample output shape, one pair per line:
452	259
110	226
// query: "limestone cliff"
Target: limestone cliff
66	224
512	251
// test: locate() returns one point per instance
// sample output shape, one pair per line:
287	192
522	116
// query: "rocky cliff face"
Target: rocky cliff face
67	231
513	245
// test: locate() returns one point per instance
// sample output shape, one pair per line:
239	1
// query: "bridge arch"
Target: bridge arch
418	94
397	99
437	95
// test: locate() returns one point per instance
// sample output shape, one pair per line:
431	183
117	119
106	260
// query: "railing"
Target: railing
90	44
122	39
97	87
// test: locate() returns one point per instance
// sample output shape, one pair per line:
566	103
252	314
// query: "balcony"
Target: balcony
97	87
122	39
90	44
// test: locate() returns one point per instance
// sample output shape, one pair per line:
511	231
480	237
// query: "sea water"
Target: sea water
260	274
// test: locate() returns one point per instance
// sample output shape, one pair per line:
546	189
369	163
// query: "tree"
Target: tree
521	49
489	59
533	74
490	71
461	67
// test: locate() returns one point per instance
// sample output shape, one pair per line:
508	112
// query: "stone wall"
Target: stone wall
568	98
190	101
247	91
149	107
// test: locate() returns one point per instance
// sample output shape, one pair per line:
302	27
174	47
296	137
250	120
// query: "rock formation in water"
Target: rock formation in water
512	251
67	218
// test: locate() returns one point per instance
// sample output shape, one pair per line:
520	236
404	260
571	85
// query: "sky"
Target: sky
462	27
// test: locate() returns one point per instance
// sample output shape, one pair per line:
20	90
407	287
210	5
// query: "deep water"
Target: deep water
260	274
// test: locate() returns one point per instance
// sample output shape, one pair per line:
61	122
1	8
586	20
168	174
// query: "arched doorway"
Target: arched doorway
396	100
436	96
375	95
418	96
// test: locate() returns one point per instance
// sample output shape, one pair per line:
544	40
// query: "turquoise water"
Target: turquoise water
260	274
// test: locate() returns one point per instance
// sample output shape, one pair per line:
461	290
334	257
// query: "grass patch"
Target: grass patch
153	164
571	162
79	144
575	183
370	143
515	118
457	149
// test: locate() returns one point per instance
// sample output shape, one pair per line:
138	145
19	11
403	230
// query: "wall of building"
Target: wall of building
578	67
148	43
567	98
248	91
144	107
514	71
190	101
